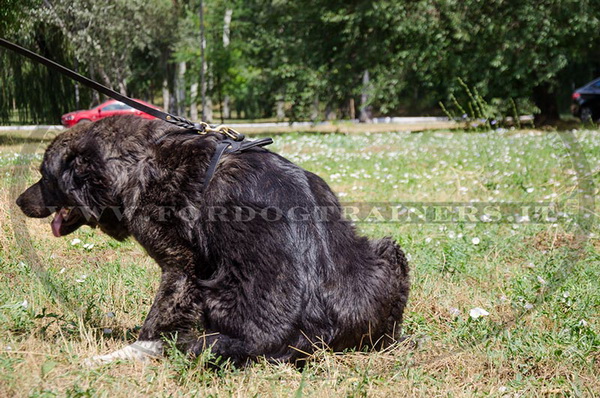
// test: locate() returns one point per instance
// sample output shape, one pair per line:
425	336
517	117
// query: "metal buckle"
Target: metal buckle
225	130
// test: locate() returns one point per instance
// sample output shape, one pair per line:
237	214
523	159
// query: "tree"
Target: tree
311	59
106	36
501	48
30	92
11	13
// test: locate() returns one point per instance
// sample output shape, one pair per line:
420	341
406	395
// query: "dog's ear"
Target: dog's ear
83	164
84	156
83	176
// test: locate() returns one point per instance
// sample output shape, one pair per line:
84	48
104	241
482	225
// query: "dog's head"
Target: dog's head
76	185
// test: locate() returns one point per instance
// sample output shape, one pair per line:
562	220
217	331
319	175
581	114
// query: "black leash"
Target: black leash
234	143
176	120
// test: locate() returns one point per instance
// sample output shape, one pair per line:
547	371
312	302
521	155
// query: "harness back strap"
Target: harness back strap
229	146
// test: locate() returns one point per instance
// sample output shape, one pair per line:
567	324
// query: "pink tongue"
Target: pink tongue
57	222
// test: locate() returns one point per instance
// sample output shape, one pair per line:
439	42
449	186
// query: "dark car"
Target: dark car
586	102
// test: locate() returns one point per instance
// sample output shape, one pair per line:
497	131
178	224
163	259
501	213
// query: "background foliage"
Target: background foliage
302	60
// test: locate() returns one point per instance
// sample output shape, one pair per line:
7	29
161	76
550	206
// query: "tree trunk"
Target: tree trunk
203	65
121	83
365	109
280	111
221	98
544	97
194	105
123	87
165	94
76	84
95	94
208	112
351	109
171	81
314	114
226	25
181	89
226	112
330	113
226	109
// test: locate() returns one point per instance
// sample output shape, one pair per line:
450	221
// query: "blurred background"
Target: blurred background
313	60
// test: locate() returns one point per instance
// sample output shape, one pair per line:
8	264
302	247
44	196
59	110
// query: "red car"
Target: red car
106	109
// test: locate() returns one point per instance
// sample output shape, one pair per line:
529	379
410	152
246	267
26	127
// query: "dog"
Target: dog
250	266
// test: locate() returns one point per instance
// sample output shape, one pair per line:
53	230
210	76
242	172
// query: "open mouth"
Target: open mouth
66	220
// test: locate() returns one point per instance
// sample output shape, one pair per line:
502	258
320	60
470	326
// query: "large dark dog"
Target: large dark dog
261	264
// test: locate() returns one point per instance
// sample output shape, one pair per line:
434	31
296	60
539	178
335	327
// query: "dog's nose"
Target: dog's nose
20	201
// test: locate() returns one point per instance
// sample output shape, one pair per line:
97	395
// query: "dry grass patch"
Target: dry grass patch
549	240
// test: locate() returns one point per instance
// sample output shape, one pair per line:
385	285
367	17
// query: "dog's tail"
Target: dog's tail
389	251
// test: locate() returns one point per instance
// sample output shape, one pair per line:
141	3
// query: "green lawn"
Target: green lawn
61	302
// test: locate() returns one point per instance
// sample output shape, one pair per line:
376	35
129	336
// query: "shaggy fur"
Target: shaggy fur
236	265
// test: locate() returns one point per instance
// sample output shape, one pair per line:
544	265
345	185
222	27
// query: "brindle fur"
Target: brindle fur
275	289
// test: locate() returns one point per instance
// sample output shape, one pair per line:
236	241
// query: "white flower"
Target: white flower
88	246
541	280
455	312
475	241
566	294
427	240
478	312
82	279
528	306
530	190
62	270
583	323
75	242
24	304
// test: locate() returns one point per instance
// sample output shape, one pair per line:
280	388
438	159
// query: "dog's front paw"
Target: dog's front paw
140	351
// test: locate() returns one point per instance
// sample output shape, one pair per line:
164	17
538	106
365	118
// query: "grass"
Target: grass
61	302
344	127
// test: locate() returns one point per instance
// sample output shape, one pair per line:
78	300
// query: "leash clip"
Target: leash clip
226	131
